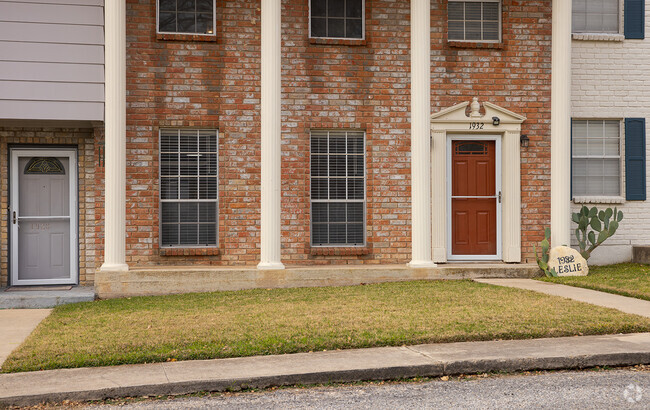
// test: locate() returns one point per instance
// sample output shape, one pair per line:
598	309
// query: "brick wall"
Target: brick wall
82	140
360	85
609	82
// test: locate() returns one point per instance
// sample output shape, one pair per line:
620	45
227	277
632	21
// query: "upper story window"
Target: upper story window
337	19
186	16
595	16
474	20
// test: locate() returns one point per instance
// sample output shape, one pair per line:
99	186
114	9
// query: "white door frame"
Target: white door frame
71	154
497	181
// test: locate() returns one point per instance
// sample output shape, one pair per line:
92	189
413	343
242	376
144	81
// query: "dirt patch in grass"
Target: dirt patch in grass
261	322
627	279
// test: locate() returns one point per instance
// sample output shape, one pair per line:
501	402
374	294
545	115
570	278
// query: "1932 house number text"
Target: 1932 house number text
476	125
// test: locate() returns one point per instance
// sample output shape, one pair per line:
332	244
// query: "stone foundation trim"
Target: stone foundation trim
175	280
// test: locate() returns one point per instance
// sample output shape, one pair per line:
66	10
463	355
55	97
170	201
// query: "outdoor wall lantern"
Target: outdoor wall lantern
496	121
524	141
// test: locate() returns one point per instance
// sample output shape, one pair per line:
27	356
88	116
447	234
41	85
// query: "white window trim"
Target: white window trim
185	33
365	194
600	35
604	199
363	28
178	200
478	41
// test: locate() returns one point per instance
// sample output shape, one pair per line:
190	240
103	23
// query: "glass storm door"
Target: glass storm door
474	198
43	217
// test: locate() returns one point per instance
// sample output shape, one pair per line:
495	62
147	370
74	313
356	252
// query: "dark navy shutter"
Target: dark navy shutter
635	159
634	19
571	165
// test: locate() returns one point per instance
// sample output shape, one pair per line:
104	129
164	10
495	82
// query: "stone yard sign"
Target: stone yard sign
567	262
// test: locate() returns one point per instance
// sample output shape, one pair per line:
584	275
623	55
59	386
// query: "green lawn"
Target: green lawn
259	322
627	279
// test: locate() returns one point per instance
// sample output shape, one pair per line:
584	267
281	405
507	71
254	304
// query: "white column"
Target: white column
511	197
561	124
439	195
421	134
115	136
271	101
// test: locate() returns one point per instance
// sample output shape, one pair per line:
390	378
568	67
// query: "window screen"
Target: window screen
188	187
186	16
474	20
595	16
336	18
337	188
596	169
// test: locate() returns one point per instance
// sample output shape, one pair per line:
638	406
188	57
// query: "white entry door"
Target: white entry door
43	217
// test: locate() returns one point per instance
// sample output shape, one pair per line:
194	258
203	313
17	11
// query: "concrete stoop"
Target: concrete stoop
42	297
171	280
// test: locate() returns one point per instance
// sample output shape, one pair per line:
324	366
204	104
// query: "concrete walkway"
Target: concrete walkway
623	303
15	326
432	360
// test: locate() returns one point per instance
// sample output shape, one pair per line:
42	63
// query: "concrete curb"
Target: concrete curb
174	378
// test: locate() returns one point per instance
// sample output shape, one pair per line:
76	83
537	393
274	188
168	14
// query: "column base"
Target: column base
114	267
421	264
270	265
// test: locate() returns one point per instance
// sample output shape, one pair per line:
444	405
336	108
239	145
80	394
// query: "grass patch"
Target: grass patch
260	322
627	279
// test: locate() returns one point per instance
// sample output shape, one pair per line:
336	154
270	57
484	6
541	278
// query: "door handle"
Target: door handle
14	217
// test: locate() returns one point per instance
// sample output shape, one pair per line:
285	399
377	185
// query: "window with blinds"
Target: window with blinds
338	188
595	16
474	20
188	188
596	162
336	19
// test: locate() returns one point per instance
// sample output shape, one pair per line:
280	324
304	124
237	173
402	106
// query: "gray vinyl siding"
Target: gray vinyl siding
52	60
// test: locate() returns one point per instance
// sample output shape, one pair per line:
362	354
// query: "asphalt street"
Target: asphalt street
629	388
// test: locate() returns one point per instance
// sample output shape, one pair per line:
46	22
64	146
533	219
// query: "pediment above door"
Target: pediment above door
461	116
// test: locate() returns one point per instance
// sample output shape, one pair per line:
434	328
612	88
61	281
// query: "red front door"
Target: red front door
473	198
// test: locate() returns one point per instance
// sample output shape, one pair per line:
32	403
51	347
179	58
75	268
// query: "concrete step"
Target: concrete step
641	254
42	297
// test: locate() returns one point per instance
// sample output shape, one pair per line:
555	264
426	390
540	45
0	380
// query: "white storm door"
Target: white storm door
43	217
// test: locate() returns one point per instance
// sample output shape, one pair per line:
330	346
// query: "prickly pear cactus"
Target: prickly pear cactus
542	260
594	227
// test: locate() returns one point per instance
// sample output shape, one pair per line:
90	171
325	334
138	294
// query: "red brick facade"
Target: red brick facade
179	82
